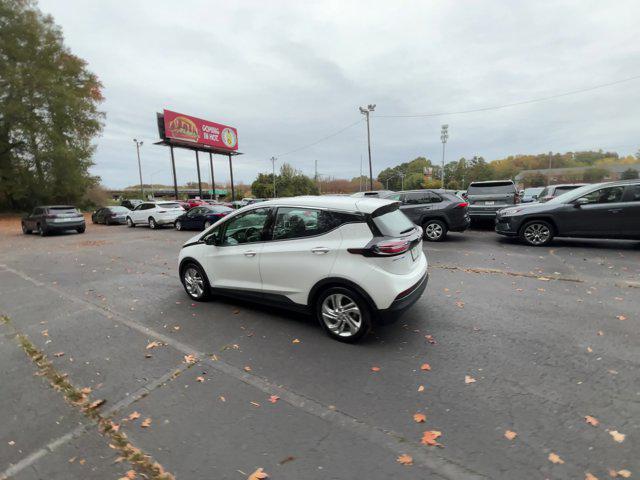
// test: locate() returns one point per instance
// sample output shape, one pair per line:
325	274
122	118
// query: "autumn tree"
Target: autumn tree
629	174
48	111
289	183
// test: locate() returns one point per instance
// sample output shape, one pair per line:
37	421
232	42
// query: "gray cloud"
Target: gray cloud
288	73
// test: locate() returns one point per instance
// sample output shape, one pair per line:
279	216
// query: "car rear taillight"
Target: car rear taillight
462	205
391	247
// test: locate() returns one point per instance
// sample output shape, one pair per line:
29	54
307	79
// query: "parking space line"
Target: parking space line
388	439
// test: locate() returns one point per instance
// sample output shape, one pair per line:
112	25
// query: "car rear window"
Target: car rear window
58	210
490	188
568	188
169	205
393	223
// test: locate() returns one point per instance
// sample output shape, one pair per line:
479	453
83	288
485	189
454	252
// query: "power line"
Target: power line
327	137
507	105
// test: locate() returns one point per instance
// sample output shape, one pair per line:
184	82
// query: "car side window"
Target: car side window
417	198
37	211
434	197
293	222
605	195
632	193
248	227
395	196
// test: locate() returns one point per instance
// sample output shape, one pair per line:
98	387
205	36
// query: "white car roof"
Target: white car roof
332	202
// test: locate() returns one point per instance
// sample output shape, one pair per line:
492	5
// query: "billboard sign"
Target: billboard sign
185	128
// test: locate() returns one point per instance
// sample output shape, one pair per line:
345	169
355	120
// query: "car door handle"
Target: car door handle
614	210
250	253
320	250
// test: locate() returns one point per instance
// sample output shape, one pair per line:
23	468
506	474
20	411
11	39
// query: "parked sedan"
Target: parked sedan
53	218
200	218
110	215
604	210
436	211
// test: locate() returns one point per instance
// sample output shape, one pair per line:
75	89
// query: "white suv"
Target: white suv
154	214
350	261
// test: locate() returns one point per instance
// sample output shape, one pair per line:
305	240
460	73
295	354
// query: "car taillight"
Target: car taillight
462	205
391	247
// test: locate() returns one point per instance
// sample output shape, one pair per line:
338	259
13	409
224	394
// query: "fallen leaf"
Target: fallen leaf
510	435
247	368
460	304
86	390
274	398
11	442
621	317
375	369
429	438
131	474
617	436
222	399
96	404
624	473
59	354
426	367
430	339
589	349
405	459
544	279
45	333
553	458
72	459
593	421
82	461
134	416
255	404
259	474
200	379
420	417
146	423
589	476
176	327
236	311
151	345
469	379
295	340
600	333
421	388
190	358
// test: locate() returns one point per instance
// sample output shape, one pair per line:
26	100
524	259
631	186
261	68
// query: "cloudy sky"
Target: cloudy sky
287	74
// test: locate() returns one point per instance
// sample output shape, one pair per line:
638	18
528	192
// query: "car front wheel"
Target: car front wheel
537	233
130	223
207	224
152	223
434	230
195	282
25	230
343	314
178	225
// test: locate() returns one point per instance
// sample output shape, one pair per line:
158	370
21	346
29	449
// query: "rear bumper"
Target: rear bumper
60	227
400	305
485	212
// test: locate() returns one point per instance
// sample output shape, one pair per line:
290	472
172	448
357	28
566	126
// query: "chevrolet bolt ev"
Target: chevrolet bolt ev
348	261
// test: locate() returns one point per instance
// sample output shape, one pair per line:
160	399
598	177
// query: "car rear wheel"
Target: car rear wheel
80	229
207	224
537	233
130	223
41	231
343	314
25	230
195	282
434	230
152	223
178	225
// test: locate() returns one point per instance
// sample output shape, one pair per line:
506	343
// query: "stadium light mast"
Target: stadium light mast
366	111
273	166
444	136
138	145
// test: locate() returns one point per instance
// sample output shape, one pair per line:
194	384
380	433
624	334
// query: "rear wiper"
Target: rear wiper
407	231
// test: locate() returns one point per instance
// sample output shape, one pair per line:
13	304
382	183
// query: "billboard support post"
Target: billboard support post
173	167
213	183
199	179
233	192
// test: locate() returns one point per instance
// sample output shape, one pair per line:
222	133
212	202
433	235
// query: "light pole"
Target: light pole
273	165
366	111
444	135
549	172
138	145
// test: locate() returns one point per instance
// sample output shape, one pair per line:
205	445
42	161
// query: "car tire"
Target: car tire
537	233
25	230
178	225
207	224
107	221
152	223
434	230
130	223
195	282
350	328
41	231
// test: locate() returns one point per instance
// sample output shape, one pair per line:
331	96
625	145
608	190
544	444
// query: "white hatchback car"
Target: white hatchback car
154	214
349	261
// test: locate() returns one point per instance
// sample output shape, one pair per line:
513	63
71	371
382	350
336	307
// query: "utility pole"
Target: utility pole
273	165
401	174
315	175
366	111
444	135
138	145
360	178
549	172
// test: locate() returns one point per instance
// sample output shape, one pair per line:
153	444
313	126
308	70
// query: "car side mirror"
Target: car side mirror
580	202
211	240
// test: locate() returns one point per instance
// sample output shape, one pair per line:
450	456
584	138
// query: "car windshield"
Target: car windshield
57	210
571	195
118	209
490	188
219	209
393	223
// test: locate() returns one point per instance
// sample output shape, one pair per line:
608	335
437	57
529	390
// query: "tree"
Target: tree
289	183
629	174
534	180
48	111
413	172
595	174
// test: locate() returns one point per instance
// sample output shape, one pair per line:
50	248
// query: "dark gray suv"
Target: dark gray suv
603	210
486	198
436	211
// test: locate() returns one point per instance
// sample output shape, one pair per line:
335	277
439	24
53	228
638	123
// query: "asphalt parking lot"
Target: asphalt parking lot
519	339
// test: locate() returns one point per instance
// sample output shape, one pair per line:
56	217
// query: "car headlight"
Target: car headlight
508	212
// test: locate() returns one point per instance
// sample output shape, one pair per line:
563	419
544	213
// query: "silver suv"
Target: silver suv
486	198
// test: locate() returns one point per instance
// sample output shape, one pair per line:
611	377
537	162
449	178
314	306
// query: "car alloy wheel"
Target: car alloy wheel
434	231
130	223
178	225
194	283
537	233
207	224
341	315
152	223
